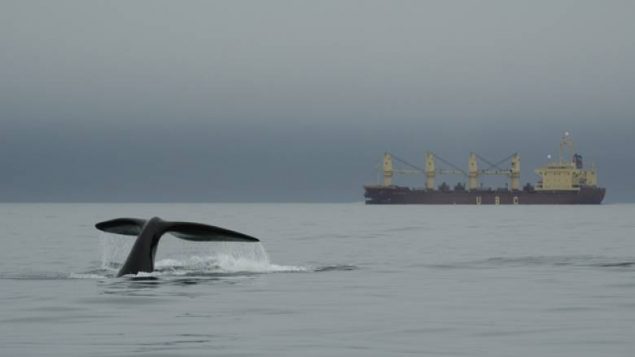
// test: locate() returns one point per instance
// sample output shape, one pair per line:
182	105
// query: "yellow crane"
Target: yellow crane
431	171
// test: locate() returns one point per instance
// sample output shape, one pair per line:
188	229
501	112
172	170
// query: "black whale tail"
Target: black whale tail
148	233
185	230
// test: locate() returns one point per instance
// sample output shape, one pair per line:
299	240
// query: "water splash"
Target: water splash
187	257
114	250
226	258
86	276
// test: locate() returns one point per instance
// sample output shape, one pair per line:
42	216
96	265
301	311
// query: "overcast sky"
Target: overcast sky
297	100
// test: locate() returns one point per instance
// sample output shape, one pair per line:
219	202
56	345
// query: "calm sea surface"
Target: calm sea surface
328	280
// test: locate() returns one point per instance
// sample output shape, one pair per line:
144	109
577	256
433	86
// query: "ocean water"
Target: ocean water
326	280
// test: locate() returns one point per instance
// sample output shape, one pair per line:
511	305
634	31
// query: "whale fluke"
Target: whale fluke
125	226
149	232
205	233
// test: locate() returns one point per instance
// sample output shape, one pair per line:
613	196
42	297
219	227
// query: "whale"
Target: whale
149	232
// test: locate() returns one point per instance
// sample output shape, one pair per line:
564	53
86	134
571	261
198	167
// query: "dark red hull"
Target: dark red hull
406	195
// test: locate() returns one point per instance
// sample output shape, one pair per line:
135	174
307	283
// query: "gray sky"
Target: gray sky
297	100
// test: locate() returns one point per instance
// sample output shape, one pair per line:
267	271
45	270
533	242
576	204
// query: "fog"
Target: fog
253	101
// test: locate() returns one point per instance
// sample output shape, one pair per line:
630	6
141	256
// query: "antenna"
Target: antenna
566	143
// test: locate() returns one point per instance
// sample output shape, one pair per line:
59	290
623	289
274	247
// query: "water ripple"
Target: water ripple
527	261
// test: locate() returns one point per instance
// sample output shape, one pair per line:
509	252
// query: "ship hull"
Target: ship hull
406	195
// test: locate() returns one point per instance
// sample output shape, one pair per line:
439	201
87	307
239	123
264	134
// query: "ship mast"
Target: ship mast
472	179
430	171
515	172
566	144
388	169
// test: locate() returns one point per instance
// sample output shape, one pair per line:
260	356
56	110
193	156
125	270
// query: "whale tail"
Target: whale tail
185	230
148	233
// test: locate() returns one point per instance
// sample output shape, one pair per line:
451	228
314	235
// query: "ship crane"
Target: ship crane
389	170
430	171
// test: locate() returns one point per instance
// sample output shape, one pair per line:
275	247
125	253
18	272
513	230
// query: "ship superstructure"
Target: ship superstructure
564	181
566	174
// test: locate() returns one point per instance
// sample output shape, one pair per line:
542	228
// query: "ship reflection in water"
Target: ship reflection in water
565	181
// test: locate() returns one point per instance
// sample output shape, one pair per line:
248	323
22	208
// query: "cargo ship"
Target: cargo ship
564	181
